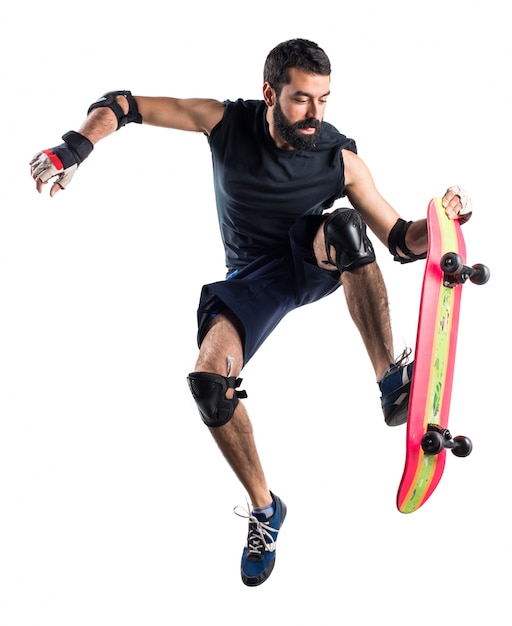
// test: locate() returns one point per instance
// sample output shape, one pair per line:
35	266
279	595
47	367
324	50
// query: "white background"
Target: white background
115	504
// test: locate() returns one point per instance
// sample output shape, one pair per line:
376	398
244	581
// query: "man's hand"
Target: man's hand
60	163
457	204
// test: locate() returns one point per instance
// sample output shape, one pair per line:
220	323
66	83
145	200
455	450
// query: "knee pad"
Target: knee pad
209	392
345	230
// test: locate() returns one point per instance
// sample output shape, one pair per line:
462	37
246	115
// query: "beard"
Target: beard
289	132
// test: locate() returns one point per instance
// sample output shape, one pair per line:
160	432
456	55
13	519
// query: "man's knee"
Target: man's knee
209	392
345	231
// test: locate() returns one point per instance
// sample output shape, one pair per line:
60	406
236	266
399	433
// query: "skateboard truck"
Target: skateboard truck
437	439
456	273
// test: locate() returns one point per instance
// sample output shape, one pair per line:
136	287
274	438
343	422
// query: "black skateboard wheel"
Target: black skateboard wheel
451	263
481	274
462	446
432	442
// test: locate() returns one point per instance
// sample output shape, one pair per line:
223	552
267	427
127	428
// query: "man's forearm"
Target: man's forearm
417	237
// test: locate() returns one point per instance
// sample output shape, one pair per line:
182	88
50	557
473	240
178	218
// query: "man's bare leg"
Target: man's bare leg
367	302
221	353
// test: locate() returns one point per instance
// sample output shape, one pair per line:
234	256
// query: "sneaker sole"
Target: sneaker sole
398	416
397	419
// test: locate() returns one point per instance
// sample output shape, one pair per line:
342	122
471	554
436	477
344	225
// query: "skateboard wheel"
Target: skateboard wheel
481	274
462	446
432	442
452	263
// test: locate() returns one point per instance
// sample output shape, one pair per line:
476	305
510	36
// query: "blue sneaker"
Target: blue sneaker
395	387
259	555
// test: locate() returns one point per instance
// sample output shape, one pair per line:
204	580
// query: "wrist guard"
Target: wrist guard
108	101
79	145
396	239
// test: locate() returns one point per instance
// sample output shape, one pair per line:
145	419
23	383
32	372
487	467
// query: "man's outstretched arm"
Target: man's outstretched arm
110	113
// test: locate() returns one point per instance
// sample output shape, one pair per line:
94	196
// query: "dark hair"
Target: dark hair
299	53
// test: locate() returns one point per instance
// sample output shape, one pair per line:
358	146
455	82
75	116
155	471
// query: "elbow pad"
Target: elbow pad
108	100
396	239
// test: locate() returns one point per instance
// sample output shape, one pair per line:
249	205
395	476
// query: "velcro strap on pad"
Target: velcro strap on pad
78	144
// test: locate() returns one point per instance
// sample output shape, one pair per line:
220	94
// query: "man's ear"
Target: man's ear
269	95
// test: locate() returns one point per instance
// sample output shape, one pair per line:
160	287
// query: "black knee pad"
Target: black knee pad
209	391
345	230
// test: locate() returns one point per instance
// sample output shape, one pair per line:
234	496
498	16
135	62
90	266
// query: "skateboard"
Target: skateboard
428	437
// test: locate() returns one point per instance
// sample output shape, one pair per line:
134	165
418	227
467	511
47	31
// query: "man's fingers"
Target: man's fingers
39	185
457	204
54	189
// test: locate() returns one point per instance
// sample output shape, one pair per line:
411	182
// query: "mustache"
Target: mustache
309	123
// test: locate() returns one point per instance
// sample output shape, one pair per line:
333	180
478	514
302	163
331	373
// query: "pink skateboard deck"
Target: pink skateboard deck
428	436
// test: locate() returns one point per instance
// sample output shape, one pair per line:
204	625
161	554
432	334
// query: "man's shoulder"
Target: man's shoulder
241	106
241	118
331	135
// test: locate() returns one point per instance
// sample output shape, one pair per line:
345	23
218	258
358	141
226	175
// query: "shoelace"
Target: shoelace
400	362
403	358
259	538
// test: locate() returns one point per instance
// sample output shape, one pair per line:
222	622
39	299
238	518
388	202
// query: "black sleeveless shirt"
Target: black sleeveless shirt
261	189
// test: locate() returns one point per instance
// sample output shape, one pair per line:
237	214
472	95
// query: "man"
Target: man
277	168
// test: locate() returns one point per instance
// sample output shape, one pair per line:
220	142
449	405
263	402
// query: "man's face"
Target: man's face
299	110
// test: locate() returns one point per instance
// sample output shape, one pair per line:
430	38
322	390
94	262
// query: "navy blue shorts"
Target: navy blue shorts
263	292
